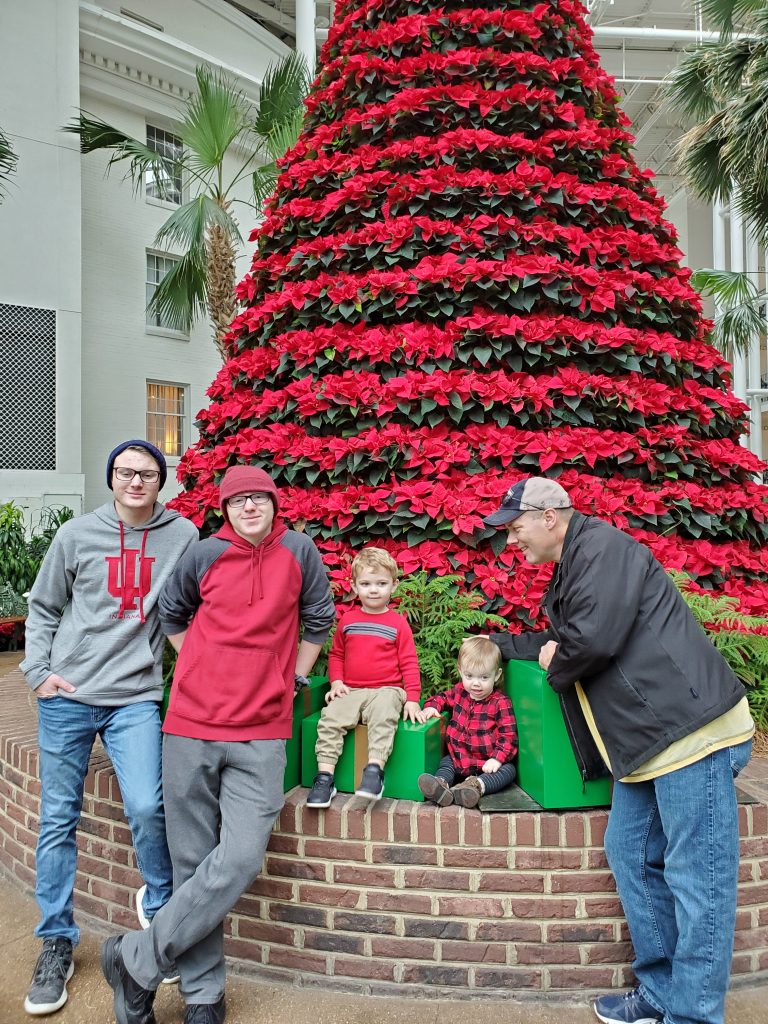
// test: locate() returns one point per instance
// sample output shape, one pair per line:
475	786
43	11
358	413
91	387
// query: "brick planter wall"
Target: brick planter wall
398	899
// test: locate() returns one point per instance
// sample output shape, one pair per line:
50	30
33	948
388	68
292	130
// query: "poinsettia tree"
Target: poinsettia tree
463	278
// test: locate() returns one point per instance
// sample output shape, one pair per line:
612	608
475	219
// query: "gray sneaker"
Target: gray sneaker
54	968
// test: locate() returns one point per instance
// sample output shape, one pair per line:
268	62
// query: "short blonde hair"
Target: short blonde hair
481	655
374	560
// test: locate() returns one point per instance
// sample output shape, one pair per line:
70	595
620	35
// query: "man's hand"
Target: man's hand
428	713
51	686
547	653
491	765
338	689
412	712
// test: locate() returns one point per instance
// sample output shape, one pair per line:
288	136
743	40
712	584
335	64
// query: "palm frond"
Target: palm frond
689	87
741	306
96	135
186	227
264	180
8	163
728	15
700	155
285	136
180	297
283	90
214	117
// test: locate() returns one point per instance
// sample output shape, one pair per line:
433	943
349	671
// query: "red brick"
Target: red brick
743	920
544	909
363	968
247	907
575	830
585	931
355	825
472	828
272	888
499	829
287	819
407	949
751	940
547	860
120	833
609	953
497	881
458	857
508	978
747	871
753	847
399	902
434	974
404	855
474	952
279	843
470	906
24	874
380	822
426	825
96	908
742	963
401	822
112	893
285	868
436	928
117	873
334	942
331	820
752	895
251	952
581	977
598	822
596	858
265	931
429	879
525	829
296	960
299	915
759	819
448	821
354	874
330	849
583	881
549	954
549	827
509	931
329	895
370	923
102	829
606	907
762	867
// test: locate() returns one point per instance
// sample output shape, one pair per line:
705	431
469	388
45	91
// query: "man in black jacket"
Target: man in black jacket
645	694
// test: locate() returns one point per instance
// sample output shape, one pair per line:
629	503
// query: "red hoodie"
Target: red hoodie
235	674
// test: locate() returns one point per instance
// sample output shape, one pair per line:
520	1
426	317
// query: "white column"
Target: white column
753	359
737	264
306	41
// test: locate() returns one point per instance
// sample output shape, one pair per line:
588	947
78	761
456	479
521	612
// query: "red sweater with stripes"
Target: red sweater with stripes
375	650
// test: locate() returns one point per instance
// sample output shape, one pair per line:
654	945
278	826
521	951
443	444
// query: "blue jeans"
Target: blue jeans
131	735
673	846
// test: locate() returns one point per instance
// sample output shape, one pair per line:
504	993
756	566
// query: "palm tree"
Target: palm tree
216	121
8	161
723	85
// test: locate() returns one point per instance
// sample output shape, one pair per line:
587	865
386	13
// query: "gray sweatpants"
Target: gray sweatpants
221	801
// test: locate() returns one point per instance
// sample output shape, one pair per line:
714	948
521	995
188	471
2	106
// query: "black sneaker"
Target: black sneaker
171	976
206	1013
372	783
54	968
627	1008
323	790
133	1004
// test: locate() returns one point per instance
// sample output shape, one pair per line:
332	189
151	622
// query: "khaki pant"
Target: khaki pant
379	708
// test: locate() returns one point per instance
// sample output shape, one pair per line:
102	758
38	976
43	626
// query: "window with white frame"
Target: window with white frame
166	417
158	265
158	184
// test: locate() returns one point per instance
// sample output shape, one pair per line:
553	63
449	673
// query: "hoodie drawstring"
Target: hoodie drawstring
141	563
121	612
123	588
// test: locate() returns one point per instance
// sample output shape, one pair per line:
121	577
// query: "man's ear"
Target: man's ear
550	518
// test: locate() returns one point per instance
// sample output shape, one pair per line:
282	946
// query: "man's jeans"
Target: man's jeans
673	846
131	735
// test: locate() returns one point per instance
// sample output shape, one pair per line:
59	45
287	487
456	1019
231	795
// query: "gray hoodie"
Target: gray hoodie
93	616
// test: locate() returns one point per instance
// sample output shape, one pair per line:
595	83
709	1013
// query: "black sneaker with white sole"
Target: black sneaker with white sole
372	783
322	792
132	1004
54	968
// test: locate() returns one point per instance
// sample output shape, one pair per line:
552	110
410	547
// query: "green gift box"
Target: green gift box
417	749
307	701
546	765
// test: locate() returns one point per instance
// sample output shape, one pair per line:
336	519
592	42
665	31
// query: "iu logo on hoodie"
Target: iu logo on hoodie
129	578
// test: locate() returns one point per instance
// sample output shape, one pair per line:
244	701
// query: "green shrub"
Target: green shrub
11	603
21	556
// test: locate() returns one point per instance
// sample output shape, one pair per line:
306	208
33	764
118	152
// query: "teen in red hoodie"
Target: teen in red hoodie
232	609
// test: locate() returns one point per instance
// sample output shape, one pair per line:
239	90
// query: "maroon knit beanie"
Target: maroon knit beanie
246	480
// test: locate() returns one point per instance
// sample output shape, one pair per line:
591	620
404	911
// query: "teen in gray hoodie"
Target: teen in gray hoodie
94	661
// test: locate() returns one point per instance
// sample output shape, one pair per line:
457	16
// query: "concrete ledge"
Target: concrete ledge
397	899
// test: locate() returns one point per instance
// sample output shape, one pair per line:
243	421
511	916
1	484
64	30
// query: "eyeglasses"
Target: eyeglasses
257	498
148	476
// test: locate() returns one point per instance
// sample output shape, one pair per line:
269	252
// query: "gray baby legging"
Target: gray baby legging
221	801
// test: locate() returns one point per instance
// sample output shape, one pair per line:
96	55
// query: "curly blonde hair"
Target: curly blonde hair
373	560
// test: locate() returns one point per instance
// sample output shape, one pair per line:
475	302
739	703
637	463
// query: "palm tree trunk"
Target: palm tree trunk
220	254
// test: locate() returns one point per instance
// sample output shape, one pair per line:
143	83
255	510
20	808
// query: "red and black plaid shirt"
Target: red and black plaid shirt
478	729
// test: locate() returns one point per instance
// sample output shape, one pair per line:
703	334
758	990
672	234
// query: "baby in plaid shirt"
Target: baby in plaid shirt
481	735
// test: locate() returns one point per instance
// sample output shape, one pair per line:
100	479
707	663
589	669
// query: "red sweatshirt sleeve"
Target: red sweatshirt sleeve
408	661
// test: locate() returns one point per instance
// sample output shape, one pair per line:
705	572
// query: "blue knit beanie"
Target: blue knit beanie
150	449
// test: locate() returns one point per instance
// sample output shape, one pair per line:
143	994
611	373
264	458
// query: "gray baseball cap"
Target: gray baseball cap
531	494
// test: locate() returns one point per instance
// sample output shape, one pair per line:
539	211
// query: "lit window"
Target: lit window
165	417
157	267
167	186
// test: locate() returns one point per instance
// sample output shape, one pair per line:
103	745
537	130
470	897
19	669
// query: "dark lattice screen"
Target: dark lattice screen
27	387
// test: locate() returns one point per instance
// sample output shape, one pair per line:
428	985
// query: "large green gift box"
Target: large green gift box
417	749
546	765
308	701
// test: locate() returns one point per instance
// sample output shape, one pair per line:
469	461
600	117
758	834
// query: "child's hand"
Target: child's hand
412	712
491	765
428	713
338	689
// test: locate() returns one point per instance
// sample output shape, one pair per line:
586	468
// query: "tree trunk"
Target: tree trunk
220	253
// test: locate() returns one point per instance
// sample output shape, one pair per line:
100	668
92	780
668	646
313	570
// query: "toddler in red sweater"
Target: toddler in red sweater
374	674
481	735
